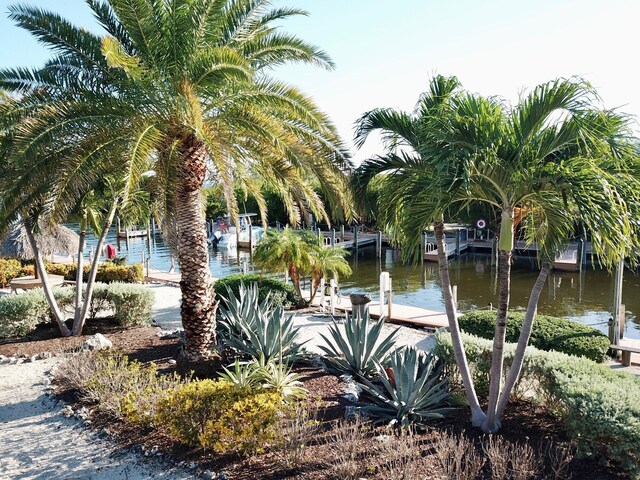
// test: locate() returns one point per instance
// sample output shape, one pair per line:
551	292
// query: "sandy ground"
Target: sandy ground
39	443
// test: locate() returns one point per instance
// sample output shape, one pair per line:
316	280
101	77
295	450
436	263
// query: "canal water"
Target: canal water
586	297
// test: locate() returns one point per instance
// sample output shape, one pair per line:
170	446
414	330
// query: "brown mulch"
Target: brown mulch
523	422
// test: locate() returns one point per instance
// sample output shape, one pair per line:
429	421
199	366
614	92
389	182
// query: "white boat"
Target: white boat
230	237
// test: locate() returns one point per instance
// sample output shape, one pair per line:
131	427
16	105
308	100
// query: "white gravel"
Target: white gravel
37	442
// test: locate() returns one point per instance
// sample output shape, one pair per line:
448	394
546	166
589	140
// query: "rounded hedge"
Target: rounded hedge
282	294
549	333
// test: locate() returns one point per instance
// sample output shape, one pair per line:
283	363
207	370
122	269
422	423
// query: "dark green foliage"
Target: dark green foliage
600	407
280	293
549	333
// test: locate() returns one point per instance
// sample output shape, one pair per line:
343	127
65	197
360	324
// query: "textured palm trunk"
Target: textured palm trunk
477	415
295	280
78	323
523	340
79	270
505	249
199	305
46	286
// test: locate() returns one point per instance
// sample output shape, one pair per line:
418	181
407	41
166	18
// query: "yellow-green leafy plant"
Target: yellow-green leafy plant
220	416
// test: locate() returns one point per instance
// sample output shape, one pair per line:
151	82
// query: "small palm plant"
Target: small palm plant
412	390
360	350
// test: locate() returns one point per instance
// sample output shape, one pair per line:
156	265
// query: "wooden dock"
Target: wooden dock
158	276
401	314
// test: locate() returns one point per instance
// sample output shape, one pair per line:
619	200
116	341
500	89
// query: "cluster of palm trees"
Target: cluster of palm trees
175	95
180	89
549	167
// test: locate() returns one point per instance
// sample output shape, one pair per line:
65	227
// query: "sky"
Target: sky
385	51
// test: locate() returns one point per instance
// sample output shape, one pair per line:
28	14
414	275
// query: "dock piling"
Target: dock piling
341	233
333	237
379	244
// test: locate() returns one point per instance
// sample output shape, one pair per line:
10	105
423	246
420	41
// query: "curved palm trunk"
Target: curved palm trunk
295	280
505	246
80	270
199	305
78	323
477	415
523	340
46	286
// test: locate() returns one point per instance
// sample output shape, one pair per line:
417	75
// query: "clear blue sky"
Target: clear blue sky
386	50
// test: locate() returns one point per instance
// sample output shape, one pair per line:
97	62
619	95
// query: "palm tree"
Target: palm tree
327	261
415	192
549	163
287	251
183	83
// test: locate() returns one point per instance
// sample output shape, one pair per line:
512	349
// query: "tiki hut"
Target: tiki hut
52	240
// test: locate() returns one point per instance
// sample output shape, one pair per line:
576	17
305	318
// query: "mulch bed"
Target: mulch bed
523	422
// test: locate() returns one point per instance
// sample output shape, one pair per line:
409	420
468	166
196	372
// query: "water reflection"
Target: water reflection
585	296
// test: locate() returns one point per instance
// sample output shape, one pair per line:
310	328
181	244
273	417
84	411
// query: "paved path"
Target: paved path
40	444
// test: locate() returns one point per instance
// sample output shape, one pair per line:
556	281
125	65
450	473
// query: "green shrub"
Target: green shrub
600	407
9	269
108	272
219	416
280	293
549	333
132	303
20	314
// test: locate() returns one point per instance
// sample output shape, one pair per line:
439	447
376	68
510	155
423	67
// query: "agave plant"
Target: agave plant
279	377
359	350
413	389
257	328
243	375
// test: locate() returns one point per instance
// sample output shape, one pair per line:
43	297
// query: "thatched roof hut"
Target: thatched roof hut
51	240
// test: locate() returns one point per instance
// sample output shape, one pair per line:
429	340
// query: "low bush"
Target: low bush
599	406
9	269
21	314
280	293
108	272
219	416
549	333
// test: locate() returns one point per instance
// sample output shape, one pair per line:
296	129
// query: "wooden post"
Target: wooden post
454	294
423	246
390	299
322	293
286	276
458	243
341	233
379	243
617	298
355	237
621	321
384	287
320	237
332	299
333	237
582	253
277	225
245	267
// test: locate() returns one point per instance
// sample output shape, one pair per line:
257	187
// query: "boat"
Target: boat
246	235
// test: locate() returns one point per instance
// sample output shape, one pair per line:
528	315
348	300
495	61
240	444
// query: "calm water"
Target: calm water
586	297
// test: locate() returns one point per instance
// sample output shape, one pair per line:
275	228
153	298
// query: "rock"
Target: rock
167	334
67	412
3	359
97	342
172	361
43	355
19	361
33	358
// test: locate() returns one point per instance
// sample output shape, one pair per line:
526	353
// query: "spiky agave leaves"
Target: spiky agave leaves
412	390
258	329
360	350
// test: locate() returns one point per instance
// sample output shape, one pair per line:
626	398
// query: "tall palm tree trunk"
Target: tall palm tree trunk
78	323
80	269
199	303
477	415
46	286
505	247
295	281
523	340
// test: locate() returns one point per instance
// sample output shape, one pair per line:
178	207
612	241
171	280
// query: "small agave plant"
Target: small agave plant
360	349
413	389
